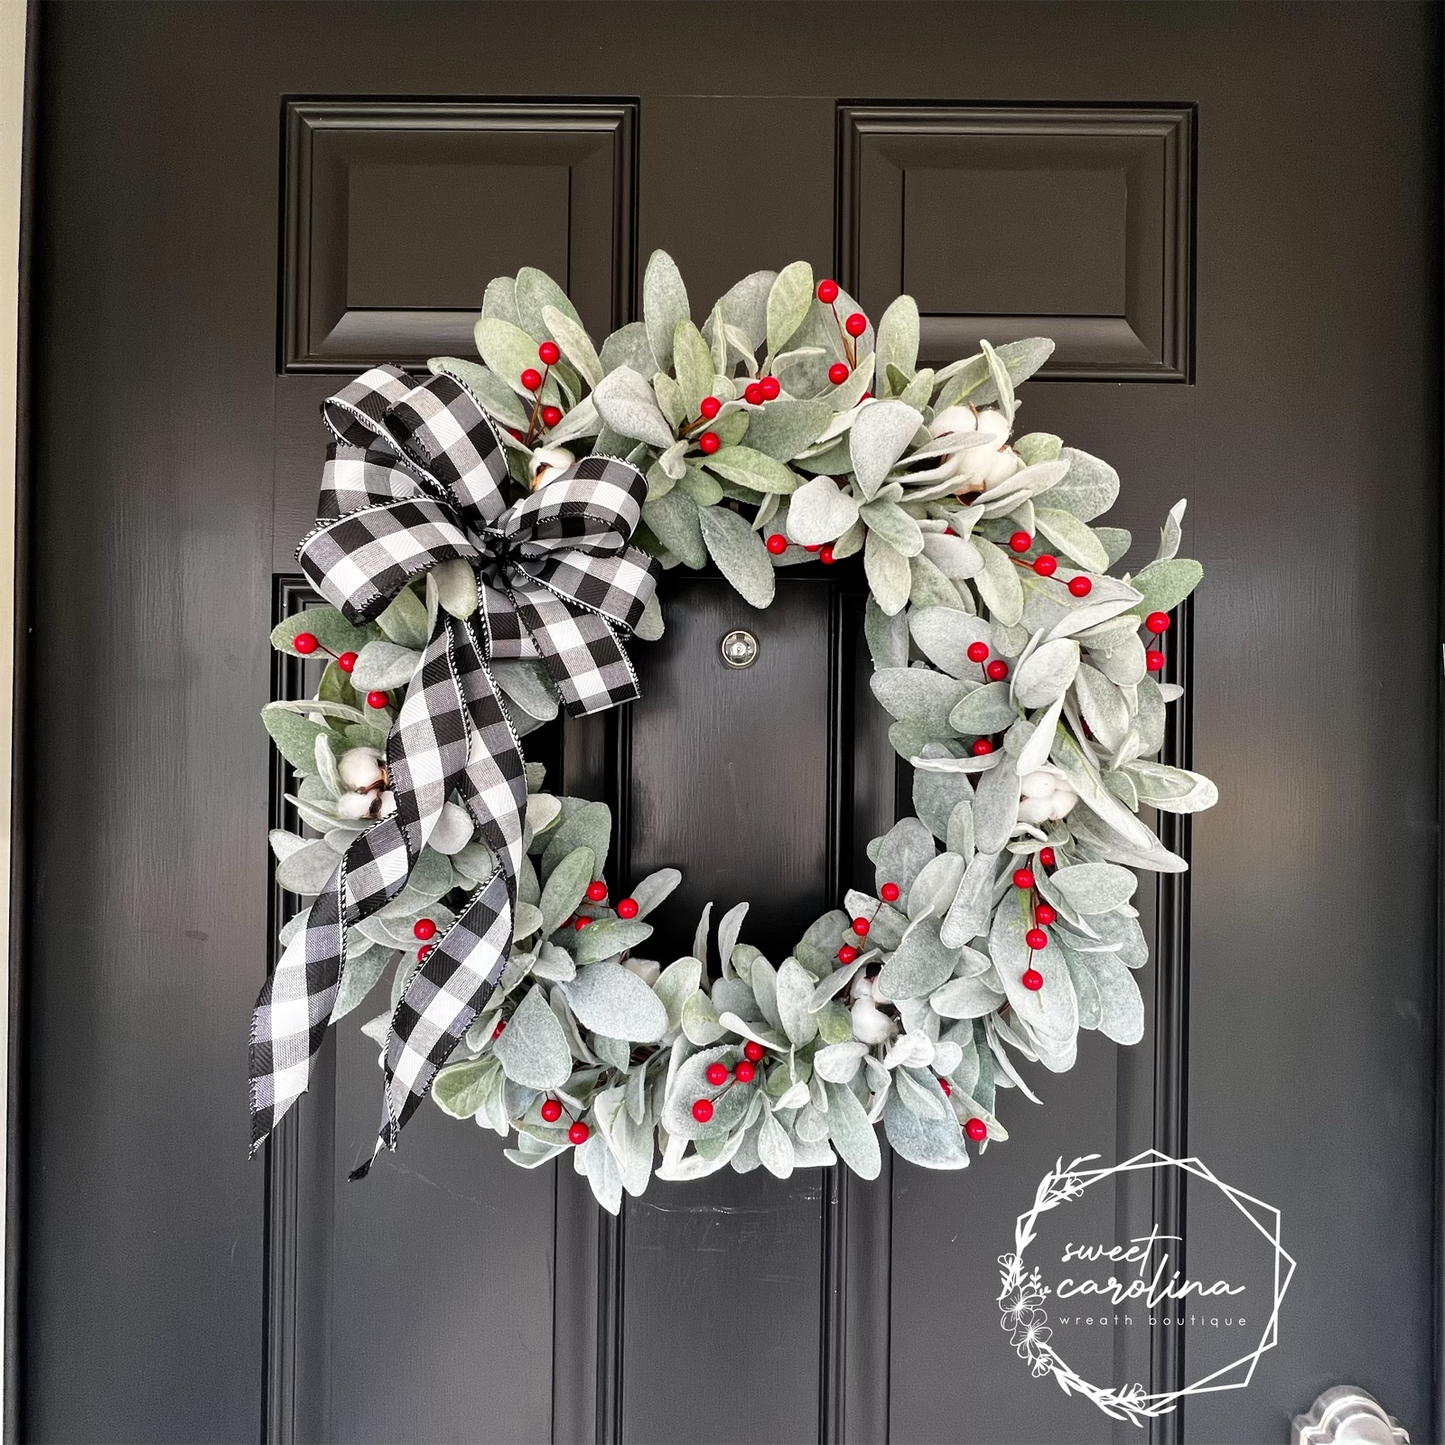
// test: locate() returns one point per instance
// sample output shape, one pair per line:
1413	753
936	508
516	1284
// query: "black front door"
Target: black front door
1228	219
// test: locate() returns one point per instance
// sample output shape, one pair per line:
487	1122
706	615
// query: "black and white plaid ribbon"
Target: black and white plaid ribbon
417	476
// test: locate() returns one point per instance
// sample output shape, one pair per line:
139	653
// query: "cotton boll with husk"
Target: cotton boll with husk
1045	796
870	1024
360	768
547	464
977	468
354	807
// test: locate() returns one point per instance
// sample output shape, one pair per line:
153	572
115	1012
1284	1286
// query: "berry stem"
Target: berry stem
843	336
536	407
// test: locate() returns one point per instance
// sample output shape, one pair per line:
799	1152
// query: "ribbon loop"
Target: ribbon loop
418	476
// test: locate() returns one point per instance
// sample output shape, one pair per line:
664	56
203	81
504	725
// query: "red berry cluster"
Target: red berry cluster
849	330
549	354
742	1072
1043	916
577	1131
306	643
1156	623
1045	564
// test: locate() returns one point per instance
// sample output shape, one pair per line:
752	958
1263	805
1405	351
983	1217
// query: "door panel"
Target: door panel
1229	218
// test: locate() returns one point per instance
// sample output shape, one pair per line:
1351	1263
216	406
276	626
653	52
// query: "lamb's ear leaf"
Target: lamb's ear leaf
789	298
664	304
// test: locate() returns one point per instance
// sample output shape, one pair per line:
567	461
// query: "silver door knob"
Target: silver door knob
1347	1415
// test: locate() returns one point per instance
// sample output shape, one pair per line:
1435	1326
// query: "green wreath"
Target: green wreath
1018	671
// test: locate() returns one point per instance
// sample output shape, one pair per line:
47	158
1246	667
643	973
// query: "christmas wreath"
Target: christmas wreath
489	539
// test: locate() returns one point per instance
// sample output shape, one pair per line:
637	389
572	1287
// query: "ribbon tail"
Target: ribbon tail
426	752
442	999
293	1011
447	992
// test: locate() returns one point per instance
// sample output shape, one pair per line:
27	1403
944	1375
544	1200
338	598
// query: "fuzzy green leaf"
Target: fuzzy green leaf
739	553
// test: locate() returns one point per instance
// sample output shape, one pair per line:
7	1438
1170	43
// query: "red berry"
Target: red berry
825	556
717	1074
1036	939
702	1110
1023	878
827	292
1154	659
981	747
708	443
1080	586
551	415
532	379
377	699
422	952
1046	565
860	927
777	544
745	1072
346	661
856	324
1032	980
838	373
816	547
847	954
867	396
551	1110
709	406
497	1032
579	924
1046	857
753	392
578	1133
753	1051
771	387
627	908
548	354
596	891
1021	541
1044	915
889	893
424	929
997	669
945	1086
977	651
305	643
976	1130
1155	622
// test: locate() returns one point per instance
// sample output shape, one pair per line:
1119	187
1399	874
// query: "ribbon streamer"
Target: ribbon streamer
416	477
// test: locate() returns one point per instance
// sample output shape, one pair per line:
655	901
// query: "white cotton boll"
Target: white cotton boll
354	806
981	467
1063	800
547	464
968	419
870	1024
646	969
360	767
1035	810
862	985
388	805
1038	784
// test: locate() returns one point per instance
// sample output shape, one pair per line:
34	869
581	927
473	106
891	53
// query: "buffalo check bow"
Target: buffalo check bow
417	477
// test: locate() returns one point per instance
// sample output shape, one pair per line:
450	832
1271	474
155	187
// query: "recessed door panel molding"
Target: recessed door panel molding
398	213
1074	222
